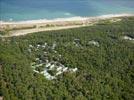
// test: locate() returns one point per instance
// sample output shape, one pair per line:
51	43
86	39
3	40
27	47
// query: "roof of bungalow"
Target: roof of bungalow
94	42
52	66
54	45
48	64
59	72
128	38
59	68
31	46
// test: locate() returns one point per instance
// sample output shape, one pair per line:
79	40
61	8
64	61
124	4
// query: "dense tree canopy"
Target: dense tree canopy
105	71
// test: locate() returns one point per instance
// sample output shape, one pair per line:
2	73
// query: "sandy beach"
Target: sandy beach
31	26
64	19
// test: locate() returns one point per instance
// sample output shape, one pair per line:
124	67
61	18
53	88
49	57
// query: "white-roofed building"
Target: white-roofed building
59	68
54	45
65	69
36	71
128	38
31	46
94	43
48	64
52	66
75	69
58	73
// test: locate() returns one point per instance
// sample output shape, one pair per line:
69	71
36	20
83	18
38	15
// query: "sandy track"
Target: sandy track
27	31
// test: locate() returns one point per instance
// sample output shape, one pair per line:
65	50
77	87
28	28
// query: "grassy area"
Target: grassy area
3	32
23	28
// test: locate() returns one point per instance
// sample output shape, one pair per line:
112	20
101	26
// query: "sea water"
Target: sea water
20	10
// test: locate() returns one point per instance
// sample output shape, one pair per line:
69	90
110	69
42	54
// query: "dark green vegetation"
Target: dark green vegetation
32	27
104	73
2	32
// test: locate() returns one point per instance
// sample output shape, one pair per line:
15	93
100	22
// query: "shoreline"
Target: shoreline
34	26
77	18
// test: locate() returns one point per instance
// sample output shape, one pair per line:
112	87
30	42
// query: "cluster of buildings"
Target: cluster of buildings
77	43
37	47
51	69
